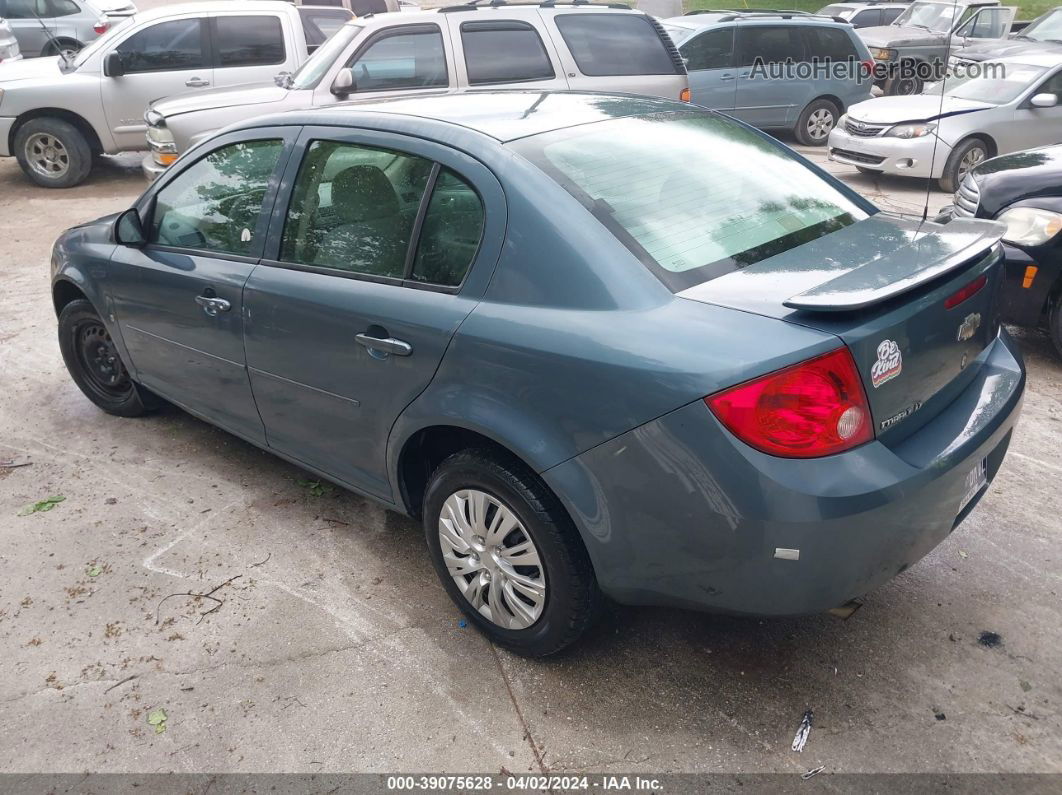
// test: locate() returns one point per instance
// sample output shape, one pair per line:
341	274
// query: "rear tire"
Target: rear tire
964	157
535	607
815	123
53	153
92	360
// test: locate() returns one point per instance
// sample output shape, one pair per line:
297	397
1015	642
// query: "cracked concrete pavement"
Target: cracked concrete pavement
335	648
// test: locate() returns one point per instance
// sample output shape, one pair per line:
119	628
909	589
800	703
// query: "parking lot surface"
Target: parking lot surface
327	643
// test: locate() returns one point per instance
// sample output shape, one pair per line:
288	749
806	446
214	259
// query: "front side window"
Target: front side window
620	44
167	46
216	203
353	209
774	44
693	195
23	9
504	52
713	49
402	60
989	23
249	41
889	15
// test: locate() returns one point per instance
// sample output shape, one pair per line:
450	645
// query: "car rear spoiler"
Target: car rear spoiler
931	251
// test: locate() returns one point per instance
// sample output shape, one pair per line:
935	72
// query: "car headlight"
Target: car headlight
1027	226
162	144
911	130
882	53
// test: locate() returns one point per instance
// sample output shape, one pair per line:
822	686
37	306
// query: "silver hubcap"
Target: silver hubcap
969	160
47	155
819	124
492	559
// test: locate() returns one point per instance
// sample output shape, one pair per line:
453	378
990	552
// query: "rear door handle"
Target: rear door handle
197	82
385	345
212	306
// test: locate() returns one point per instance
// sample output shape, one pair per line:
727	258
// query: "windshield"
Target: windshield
693	195
104	41
310	73
934	16
996	85
1047	28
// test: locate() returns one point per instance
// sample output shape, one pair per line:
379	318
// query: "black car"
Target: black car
1024	191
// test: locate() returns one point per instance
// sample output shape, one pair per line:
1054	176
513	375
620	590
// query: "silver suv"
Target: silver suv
549	47
55	27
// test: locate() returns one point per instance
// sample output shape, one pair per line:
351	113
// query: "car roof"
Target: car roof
210	7
502	115
487	12
702	21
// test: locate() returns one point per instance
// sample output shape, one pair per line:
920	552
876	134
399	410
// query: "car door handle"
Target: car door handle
212	306
385	345
197	82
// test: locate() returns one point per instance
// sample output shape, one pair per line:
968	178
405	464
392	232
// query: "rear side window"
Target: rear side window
504	52
450	235
249	41
167	46
829	44
413	58
774	44
620	44
216	203
62	8
713	49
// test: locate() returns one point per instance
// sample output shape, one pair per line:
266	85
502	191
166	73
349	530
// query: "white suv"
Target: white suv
551	46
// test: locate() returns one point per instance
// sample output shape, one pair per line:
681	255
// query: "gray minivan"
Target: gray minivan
774	71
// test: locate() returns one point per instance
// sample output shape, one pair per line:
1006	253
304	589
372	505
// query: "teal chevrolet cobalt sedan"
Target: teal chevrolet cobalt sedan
598	345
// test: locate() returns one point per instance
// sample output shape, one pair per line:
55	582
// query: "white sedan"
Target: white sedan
1014	103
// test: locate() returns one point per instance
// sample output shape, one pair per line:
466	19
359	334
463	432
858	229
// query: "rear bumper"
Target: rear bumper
679	512
904	157
6	123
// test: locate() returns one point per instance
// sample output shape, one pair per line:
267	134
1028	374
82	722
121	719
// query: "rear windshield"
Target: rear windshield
693	195
624	44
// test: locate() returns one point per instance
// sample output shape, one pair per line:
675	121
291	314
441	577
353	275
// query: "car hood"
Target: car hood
30	69
898	36
921	107
1019	176
248	94
1001	48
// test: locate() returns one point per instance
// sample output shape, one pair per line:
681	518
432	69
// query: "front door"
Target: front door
179	298
709	60
765	99
159	60
375	254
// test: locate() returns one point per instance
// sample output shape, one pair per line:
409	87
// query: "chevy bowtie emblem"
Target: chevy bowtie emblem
969	326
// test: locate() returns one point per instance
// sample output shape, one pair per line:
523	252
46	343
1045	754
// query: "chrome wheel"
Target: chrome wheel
47	155
492	559
969	161
820	123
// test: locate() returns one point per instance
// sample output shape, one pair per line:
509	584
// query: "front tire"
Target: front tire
93	362
816	122
508	554
968	155
53	153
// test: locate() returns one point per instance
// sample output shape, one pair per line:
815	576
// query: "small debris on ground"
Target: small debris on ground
954	637
1025	686
990	640
95	570
41	505
813	772
157	718
801	738
938	714
462	623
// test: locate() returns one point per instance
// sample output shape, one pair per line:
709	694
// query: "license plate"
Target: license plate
976	479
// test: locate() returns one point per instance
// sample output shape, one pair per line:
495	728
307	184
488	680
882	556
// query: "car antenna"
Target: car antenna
51	36
940	108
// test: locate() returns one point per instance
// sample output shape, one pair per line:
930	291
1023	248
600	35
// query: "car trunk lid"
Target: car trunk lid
882	285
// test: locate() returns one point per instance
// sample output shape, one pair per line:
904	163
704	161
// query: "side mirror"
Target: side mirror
129	229
1044	101
112	65
344	83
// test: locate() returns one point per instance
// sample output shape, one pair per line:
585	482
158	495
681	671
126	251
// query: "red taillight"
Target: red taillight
968	291
101	27
811	409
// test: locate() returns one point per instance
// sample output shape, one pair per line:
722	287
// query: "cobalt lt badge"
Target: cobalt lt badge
969	326
888	365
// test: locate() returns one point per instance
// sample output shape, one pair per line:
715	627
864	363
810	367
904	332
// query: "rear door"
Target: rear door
612	51
179	299
252	48
160	59
709	59
764	98
381	249
497	52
